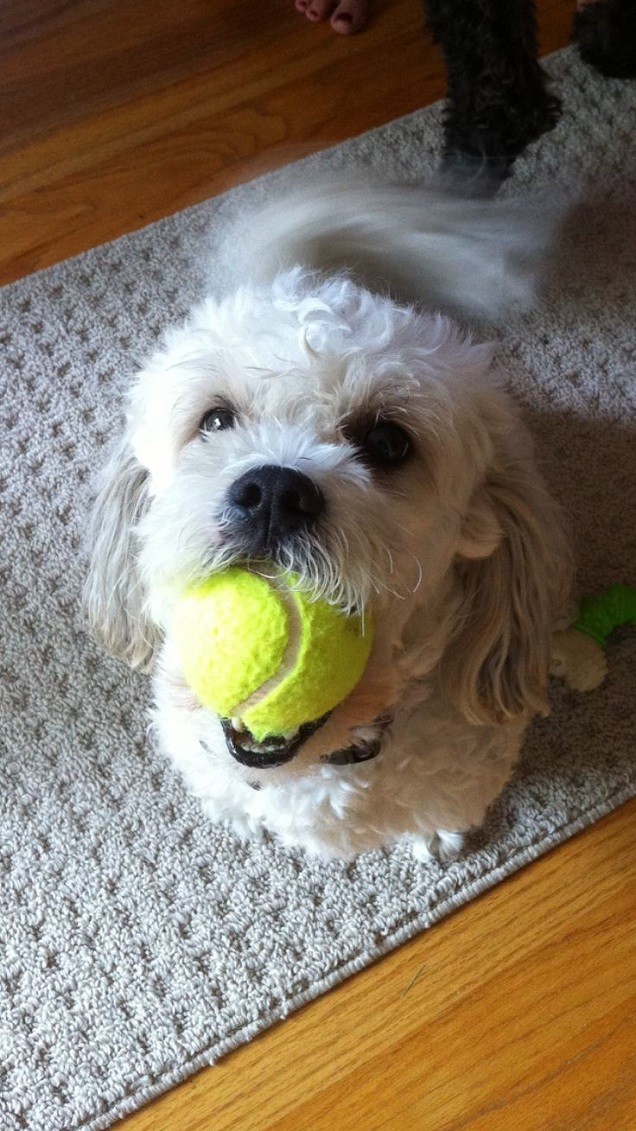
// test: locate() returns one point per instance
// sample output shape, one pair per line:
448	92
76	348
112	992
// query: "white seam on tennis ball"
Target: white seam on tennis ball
289	600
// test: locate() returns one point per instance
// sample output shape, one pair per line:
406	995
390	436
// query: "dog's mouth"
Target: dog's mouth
275	751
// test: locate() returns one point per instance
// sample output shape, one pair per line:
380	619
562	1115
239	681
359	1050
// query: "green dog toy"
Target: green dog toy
578	653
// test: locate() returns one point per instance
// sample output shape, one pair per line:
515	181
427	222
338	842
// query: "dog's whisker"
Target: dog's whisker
420	574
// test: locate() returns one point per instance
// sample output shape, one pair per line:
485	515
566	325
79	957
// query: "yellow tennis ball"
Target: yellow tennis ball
255	649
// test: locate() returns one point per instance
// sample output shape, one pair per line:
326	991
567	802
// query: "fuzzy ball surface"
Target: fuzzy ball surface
255	648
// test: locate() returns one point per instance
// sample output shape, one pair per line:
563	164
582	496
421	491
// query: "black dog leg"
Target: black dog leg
497	98
606	34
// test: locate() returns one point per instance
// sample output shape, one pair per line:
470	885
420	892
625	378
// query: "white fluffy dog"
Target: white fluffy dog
312	422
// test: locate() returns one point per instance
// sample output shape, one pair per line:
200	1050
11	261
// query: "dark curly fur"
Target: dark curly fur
498	97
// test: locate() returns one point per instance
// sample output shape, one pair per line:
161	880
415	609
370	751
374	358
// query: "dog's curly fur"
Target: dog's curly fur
456	548
498	95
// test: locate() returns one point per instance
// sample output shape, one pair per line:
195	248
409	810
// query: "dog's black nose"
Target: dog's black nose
269	503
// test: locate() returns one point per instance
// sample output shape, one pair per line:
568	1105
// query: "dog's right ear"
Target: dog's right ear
114	594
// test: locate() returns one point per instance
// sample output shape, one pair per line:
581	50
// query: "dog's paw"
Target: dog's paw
442	847
605	31
578	660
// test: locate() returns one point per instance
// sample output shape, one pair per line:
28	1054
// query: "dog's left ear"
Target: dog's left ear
514	573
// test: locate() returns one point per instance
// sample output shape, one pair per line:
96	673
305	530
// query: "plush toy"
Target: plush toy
259	651
578	654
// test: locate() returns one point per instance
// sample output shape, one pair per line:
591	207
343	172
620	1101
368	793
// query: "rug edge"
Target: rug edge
527	854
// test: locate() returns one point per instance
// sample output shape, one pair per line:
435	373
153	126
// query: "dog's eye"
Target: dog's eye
217	420
386	445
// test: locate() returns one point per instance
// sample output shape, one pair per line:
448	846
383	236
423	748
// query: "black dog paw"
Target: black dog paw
605	31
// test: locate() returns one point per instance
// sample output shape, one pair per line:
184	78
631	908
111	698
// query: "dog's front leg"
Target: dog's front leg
441	846
498	99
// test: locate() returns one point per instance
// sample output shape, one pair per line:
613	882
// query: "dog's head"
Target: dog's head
365	447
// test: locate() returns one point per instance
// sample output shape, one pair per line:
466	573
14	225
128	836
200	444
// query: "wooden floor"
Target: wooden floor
518	1012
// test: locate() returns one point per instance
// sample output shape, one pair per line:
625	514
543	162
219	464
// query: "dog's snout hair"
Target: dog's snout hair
267	505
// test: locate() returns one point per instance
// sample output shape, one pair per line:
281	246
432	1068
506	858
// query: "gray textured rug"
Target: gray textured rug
138	942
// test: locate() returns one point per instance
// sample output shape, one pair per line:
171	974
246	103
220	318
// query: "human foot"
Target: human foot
345	16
